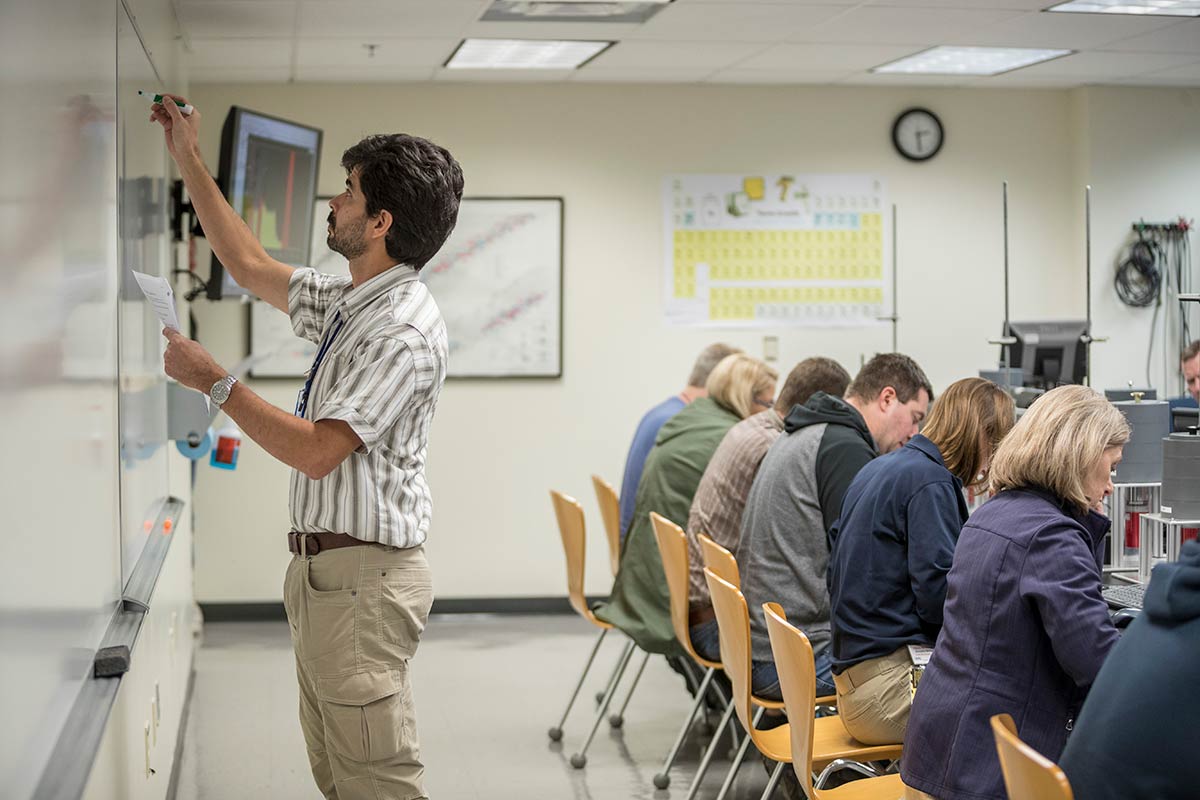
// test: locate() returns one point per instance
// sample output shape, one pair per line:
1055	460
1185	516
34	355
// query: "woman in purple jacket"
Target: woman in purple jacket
1025	629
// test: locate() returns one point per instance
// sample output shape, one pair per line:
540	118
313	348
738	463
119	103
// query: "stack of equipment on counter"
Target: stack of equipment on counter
1181	475
1150	420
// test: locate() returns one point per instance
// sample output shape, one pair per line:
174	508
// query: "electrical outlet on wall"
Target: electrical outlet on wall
770	349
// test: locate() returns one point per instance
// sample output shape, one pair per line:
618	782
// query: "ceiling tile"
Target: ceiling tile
1072	31
1095	66
1182	37
387	53
239	53
676	54
737	22
1187	72
363	74
773	2
592	74
927	26
237	20
778	76
239	75
375	18
826	57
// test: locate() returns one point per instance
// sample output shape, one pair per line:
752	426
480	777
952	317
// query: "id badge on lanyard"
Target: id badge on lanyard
322	351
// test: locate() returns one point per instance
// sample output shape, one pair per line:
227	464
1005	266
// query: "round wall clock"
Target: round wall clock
918	134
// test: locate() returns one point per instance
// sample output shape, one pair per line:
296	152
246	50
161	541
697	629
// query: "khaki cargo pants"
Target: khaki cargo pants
875	698
356	616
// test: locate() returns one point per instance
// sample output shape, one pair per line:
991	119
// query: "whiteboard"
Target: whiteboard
498	282
277	352
776	250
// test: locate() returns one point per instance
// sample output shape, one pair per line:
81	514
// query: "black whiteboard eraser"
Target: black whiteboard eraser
111	662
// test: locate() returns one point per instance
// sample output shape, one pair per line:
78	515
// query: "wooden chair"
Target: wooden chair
1028	775
672	545
610	514
569	514
719	560
815	740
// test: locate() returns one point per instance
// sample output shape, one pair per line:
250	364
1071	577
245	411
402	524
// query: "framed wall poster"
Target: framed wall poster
498	281
276	351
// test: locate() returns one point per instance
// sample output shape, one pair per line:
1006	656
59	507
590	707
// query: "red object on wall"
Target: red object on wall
1133	526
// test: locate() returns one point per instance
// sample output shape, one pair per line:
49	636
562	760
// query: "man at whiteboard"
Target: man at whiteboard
358	588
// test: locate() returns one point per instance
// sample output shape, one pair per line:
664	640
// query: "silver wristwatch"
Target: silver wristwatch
221	389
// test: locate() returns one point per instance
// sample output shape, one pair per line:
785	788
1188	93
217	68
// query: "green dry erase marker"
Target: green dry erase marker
184	108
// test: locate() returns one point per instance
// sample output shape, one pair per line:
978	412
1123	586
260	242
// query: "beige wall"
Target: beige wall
497	447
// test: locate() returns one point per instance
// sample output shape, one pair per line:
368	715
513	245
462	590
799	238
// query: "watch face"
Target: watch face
918	134
220	391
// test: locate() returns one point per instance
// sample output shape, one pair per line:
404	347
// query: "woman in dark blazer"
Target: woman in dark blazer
1025	629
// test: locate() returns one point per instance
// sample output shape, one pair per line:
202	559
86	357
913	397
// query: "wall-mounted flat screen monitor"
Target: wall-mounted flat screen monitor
268	172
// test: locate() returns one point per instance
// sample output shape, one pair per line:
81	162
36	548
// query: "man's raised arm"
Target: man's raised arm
231	240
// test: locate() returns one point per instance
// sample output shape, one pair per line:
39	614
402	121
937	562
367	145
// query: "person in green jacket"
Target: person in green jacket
738	387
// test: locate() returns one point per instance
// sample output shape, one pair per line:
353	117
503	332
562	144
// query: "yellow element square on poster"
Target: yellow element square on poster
755	188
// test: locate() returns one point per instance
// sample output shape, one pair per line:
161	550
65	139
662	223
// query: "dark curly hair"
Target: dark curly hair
417	182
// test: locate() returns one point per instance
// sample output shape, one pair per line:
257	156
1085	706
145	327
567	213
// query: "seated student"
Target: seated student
892	547
1189	365
721	496
647	429
1136	736
783	551
1024	629
640	601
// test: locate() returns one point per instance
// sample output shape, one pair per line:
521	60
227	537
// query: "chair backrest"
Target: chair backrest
610	513
1028	775
673	547
797	678
733	622
720	561
574	541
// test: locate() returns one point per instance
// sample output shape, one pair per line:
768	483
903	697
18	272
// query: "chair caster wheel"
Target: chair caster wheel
662	780
555	734
616	721
578	761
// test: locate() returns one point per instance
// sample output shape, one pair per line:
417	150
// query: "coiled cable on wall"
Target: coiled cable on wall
1139	280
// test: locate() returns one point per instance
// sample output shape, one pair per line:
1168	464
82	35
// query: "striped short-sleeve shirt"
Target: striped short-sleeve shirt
382	373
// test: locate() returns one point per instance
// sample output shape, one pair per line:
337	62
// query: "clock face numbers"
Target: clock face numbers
917	134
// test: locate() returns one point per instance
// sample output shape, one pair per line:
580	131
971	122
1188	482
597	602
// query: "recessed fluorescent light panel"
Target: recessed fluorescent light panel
572	11
969	60
1158	8
524	54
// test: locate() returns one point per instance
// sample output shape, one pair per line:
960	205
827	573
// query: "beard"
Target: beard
348	241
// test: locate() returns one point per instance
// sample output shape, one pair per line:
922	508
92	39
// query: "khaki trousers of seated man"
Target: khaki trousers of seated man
875	698
356	617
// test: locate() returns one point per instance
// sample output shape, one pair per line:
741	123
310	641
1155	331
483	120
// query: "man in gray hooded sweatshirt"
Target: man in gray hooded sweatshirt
797	495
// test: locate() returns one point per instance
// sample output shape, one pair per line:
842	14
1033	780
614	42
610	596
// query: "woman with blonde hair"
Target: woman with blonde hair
891	549
1025	629
739	386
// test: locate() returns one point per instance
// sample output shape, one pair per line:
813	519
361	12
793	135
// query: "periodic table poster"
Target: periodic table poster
772	250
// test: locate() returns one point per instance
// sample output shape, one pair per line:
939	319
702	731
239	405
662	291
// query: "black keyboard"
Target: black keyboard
1128	596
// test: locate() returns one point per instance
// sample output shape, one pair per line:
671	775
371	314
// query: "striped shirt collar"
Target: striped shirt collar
361	296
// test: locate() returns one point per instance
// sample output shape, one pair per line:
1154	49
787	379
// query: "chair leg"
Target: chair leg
845	763
663	779
741	755
698	778
776	774
579	760
556	732
618	719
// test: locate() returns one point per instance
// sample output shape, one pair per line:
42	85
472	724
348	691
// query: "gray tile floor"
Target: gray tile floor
487	690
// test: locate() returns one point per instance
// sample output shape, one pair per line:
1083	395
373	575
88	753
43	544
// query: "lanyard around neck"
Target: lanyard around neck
334	329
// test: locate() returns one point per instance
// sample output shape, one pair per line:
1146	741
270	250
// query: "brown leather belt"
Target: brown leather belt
318	542
699	615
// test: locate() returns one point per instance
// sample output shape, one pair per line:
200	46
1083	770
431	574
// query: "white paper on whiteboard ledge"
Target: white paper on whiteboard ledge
162	299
